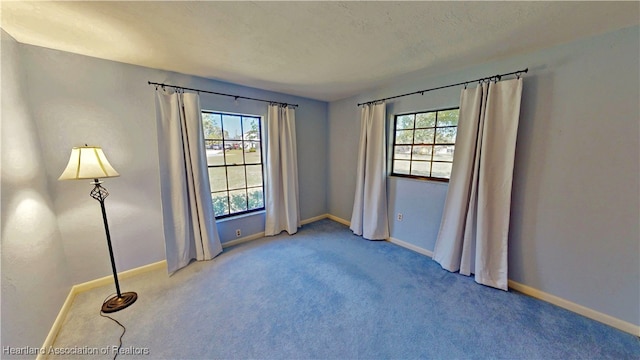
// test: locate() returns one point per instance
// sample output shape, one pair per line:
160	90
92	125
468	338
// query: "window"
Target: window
234	159
423	144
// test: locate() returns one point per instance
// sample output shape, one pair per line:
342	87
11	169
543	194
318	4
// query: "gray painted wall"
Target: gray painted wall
35	278
575	212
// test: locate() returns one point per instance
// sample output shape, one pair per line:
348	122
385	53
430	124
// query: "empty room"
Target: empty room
320	180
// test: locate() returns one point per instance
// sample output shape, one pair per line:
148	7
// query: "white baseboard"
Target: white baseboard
243	239
576	308
121	275
57	324
314	219
409	246
77	289
261	234
339	220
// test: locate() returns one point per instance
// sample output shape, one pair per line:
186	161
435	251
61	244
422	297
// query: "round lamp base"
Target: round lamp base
118	303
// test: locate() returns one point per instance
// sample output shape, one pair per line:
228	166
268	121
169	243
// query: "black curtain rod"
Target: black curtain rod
421	92
221	94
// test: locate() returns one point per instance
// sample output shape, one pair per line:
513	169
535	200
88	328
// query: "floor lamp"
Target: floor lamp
89	162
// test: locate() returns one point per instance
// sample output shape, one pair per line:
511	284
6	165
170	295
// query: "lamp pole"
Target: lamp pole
99	193
120	301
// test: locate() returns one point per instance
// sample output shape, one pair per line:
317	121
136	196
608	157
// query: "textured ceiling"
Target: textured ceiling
321	50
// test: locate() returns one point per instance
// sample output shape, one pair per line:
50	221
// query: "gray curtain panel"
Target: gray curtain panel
474	230
369	217
190	230
282	207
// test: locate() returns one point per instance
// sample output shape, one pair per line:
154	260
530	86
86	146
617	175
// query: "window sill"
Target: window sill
236	217
420	179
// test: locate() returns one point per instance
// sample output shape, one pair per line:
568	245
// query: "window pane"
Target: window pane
404	137
215	157
426	120
443	153
420	168
424	136
402	152
446	135
252	151
235	176
427	148
238	200
256	199
404	122
231	142
231	126
254	175
212	127
233	152
251	128
401	166
422	152
220	203
217	179
448	117
441	170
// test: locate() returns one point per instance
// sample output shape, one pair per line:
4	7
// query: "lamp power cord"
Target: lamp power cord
124	329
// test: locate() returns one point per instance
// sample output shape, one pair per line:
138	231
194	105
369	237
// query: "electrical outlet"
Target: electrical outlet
399	216
238	233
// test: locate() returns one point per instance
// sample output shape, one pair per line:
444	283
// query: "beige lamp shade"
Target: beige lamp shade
88	162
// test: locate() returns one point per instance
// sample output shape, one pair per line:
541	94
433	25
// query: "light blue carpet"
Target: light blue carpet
327	294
